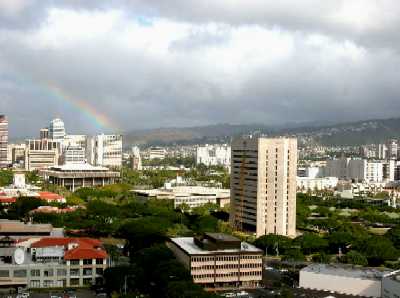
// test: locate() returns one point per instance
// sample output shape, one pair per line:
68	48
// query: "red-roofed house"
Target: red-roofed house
51	197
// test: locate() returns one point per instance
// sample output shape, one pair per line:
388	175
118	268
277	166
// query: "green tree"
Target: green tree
311	243
6	177
274	244
356	258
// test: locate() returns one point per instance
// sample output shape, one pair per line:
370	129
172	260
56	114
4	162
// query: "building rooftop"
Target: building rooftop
17	227
83	167
347	271
188	245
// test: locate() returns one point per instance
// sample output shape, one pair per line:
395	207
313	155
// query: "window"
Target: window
19	273
35	272
35	284
99	271
74	272
48	272
74	262
61	272
87	262
99	261
4	273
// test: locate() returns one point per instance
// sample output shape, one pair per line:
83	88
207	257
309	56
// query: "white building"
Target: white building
41	154
136	160
392	148
105	150
192	196
391	285
310	184
57	129
311	172
343	279
381	151
75	140
155	153
74	155
356	169
214	155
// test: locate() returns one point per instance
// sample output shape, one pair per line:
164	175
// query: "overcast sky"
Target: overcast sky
156	63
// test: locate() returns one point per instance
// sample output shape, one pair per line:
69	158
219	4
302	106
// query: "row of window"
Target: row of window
227	266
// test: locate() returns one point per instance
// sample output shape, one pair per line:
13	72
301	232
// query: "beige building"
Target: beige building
219	261
263	185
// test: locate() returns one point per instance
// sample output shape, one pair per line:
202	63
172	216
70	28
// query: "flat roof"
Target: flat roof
79	167
187	244
222	237
347	271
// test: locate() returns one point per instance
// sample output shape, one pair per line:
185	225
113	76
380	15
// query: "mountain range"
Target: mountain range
349	133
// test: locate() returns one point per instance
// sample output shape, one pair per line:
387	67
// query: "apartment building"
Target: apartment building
3	141
105	150
217	260
214	155
51	262
263	185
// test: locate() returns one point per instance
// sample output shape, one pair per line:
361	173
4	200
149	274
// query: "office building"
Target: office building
57	129
381	151
73	154
52	262
105	150
355	169
3	141
44	134
75	140
391	285
17	154
392	148
219	261
190	196
41	154
155	153
74	176
342	279
306	184
214	155
263	185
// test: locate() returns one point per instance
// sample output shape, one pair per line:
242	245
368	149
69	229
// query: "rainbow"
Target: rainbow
99	119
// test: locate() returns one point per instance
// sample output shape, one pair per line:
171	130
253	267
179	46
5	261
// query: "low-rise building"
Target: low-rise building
74	176
219	261
310	184
16	229
51	262
192	196
214	155
343	279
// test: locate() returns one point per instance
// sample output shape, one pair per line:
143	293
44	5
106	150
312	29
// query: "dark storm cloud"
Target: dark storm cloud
175	63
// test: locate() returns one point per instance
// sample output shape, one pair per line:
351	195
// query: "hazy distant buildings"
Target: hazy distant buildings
214	155
355	169
263	185
105	150
3	141
155	153
56	129
392	149
136	160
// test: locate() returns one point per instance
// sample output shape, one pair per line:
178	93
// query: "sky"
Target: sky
105	66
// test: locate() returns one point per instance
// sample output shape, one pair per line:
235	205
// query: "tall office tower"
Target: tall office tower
105	150
263	185
57	129
3	141
381	151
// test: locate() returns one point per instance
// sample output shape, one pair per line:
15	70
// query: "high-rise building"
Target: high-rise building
392	148
57	129
3	141
136	160
105	150
41	154
263	185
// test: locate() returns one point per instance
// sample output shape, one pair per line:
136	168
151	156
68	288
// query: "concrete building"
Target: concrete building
105	150
219	261
75	140
73	154
74	176
381	151
51	262
355	169
3	141
214	155
392	149
17	154
155	153
18	229
44	134
343	279
263	185
305	184
391	285
136	160
192	196
57	129
41	154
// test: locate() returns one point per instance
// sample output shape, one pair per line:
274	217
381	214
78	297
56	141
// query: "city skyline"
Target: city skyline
134	65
